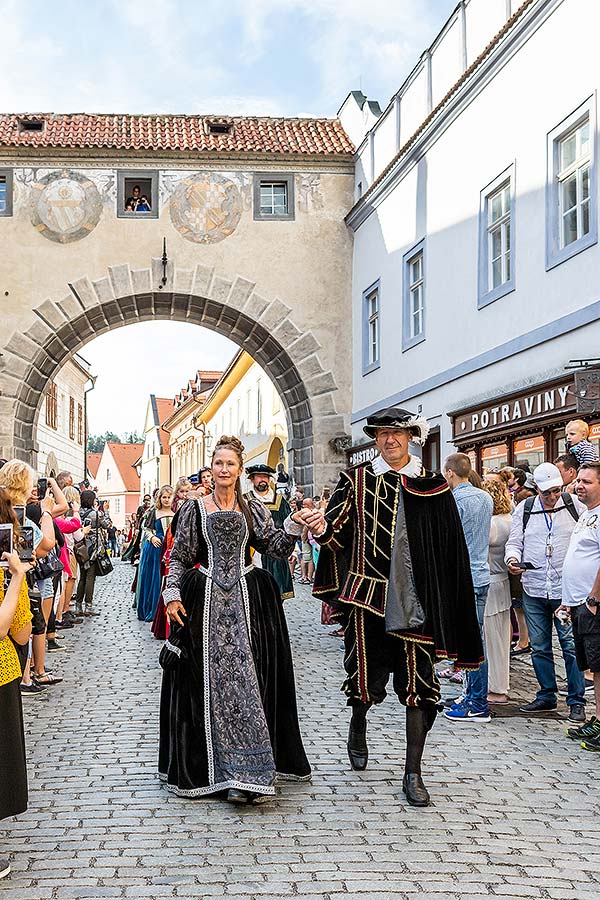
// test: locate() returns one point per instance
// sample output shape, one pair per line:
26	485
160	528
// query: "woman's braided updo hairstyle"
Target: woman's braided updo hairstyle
231	442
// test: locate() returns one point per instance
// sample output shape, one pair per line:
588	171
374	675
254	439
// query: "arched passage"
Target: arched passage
275	454
232	307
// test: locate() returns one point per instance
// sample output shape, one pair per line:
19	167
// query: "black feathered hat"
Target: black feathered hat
394	417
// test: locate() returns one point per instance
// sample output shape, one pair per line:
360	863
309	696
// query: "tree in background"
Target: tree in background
96	442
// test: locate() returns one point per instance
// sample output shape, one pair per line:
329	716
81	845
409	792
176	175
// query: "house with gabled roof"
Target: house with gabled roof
154	464
117	480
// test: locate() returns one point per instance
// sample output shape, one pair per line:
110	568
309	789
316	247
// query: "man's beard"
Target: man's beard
262	487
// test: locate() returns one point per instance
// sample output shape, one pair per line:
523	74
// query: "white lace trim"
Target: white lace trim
291	527
172	647
205	663
268	790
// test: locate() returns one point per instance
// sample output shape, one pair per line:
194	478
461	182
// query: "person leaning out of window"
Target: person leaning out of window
15	630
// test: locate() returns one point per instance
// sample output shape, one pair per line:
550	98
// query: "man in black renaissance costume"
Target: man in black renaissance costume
394	563
263	489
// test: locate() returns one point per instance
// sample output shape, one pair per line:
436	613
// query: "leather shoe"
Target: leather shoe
415	790
358	752
538	705
236	796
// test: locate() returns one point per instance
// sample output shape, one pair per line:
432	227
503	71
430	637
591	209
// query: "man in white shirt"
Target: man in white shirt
581	593
536	549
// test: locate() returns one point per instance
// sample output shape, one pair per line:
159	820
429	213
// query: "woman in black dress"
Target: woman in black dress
228	717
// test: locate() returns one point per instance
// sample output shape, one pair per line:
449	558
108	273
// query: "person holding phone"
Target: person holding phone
15	629
18	479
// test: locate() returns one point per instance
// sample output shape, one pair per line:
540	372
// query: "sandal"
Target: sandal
446	673
46	678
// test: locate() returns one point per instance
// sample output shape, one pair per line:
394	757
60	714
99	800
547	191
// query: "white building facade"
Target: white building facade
62	428
244	402
154	466
476	270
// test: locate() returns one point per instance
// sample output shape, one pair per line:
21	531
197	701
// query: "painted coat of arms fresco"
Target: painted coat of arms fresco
206	207
65	206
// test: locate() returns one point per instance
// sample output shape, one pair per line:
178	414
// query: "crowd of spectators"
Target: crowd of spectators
56	531
534	546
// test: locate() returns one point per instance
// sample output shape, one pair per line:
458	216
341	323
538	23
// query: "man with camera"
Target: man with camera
536	549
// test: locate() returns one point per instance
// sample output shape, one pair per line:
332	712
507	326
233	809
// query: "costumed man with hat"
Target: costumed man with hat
394	563
263	489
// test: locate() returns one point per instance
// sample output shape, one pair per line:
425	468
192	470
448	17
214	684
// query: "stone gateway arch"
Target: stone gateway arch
252	212
266	328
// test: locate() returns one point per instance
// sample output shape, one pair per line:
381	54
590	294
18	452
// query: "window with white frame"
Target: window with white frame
416	290
274	196
117	504
371	328
6	192
413	313
571	185
496	238
575	160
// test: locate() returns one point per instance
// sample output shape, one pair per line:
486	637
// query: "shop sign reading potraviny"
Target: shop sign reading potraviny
515	410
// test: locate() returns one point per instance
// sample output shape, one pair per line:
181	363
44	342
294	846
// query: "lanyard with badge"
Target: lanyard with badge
549	523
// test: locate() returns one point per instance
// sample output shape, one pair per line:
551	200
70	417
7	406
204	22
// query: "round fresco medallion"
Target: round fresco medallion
206	208
65	206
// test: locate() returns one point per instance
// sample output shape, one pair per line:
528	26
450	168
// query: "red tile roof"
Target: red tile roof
178	133
93	463
125	455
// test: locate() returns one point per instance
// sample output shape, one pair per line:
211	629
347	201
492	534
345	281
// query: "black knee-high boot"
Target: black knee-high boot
418	723
358	752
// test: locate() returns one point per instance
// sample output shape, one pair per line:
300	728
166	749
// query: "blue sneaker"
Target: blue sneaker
464	712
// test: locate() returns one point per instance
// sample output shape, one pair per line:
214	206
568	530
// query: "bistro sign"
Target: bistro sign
522	409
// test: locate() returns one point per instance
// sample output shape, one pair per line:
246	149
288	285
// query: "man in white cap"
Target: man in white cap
536	549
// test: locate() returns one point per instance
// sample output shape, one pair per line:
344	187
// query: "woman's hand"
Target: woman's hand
16	565
156	541
48	504
175	609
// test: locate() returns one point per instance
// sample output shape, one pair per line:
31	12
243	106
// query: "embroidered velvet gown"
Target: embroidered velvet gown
149	574
228	715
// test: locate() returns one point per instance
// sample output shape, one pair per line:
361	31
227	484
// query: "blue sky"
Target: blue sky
267	57
244	57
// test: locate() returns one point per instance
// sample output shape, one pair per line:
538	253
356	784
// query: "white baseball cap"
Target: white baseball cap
547	476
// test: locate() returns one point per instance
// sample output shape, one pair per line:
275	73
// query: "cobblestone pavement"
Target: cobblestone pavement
515	814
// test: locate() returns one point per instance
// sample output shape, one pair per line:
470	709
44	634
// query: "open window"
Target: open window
137	194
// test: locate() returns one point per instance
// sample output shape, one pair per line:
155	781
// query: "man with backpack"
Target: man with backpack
536	549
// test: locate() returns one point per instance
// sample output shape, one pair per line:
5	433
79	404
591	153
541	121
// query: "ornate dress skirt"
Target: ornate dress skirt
228	716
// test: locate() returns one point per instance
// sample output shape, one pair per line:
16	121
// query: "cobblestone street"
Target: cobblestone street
515	803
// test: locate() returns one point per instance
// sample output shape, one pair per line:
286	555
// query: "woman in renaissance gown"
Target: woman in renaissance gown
149	580
228	716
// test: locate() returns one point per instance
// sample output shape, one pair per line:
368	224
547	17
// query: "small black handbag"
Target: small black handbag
47	566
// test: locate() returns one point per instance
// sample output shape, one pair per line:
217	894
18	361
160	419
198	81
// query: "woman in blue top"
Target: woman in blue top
149	576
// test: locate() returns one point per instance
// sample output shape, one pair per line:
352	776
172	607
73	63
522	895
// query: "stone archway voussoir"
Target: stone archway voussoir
121	281
142	282
240	292
274	315
203	276
255	306
310	366
83	290
286	333
50	313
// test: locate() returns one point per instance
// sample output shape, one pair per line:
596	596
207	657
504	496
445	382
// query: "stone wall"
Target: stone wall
280	289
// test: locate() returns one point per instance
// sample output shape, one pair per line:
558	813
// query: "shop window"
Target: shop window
52	406
6	192
413	300
274	197
496	265
571	186
137	195
371	328
529	452
493	457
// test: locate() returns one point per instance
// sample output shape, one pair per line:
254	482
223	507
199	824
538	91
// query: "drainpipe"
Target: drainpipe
86	391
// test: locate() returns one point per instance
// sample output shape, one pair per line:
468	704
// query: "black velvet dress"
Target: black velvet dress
228	715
